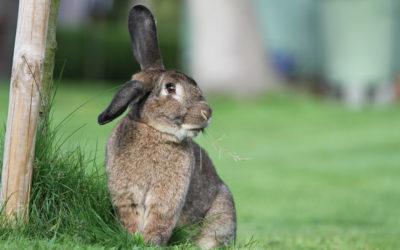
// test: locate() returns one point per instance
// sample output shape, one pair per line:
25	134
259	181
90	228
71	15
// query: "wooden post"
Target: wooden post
48	66
33	30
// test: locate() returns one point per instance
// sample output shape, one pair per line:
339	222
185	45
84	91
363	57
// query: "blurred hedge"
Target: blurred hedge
102	50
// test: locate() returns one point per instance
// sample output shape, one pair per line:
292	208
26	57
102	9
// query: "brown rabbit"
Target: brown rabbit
158	177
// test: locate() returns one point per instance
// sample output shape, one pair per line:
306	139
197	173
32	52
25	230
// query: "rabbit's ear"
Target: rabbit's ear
142	28
131	93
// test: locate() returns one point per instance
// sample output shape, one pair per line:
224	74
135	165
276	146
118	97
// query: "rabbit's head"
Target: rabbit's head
167	100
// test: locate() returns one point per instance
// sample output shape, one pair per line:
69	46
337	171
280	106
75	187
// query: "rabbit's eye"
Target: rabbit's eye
170	88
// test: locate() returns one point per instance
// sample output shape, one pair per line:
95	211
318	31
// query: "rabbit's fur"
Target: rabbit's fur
158	177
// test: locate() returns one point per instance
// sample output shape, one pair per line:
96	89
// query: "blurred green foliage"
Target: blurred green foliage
102	48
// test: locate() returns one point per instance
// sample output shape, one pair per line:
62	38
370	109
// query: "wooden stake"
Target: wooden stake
26	81
48	66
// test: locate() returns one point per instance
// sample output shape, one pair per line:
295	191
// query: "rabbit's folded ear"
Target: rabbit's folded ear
131	92
142	28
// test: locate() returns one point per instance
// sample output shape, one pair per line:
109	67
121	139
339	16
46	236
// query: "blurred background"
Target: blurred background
333	47
306	127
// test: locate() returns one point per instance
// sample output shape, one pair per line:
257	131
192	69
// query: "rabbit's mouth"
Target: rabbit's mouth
182	132
188	131
196	130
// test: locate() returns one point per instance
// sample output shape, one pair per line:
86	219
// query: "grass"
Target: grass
319	176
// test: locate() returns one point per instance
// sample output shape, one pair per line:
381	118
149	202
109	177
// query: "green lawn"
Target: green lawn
318	176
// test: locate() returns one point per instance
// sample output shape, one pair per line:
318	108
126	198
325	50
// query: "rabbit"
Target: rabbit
158	177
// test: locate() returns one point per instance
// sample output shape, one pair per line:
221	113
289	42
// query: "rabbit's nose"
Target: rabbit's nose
206	113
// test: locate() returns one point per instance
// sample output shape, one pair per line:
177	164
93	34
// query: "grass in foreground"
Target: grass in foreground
320	176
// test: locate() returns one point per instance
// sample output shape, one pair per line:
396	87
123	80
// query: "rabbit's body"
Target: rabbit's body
157	183
158	177
148	175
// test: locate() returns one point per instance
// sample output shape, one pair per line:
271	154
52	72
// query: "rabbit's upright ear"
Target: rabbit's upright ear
131	93
142	28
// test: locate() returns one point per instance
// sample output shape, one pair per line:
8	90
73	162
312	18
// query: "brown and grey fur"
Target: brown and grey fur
158	177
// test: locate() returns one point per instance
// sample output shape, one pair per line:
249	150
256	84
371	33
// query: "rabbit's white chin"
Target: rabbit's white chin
184	132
